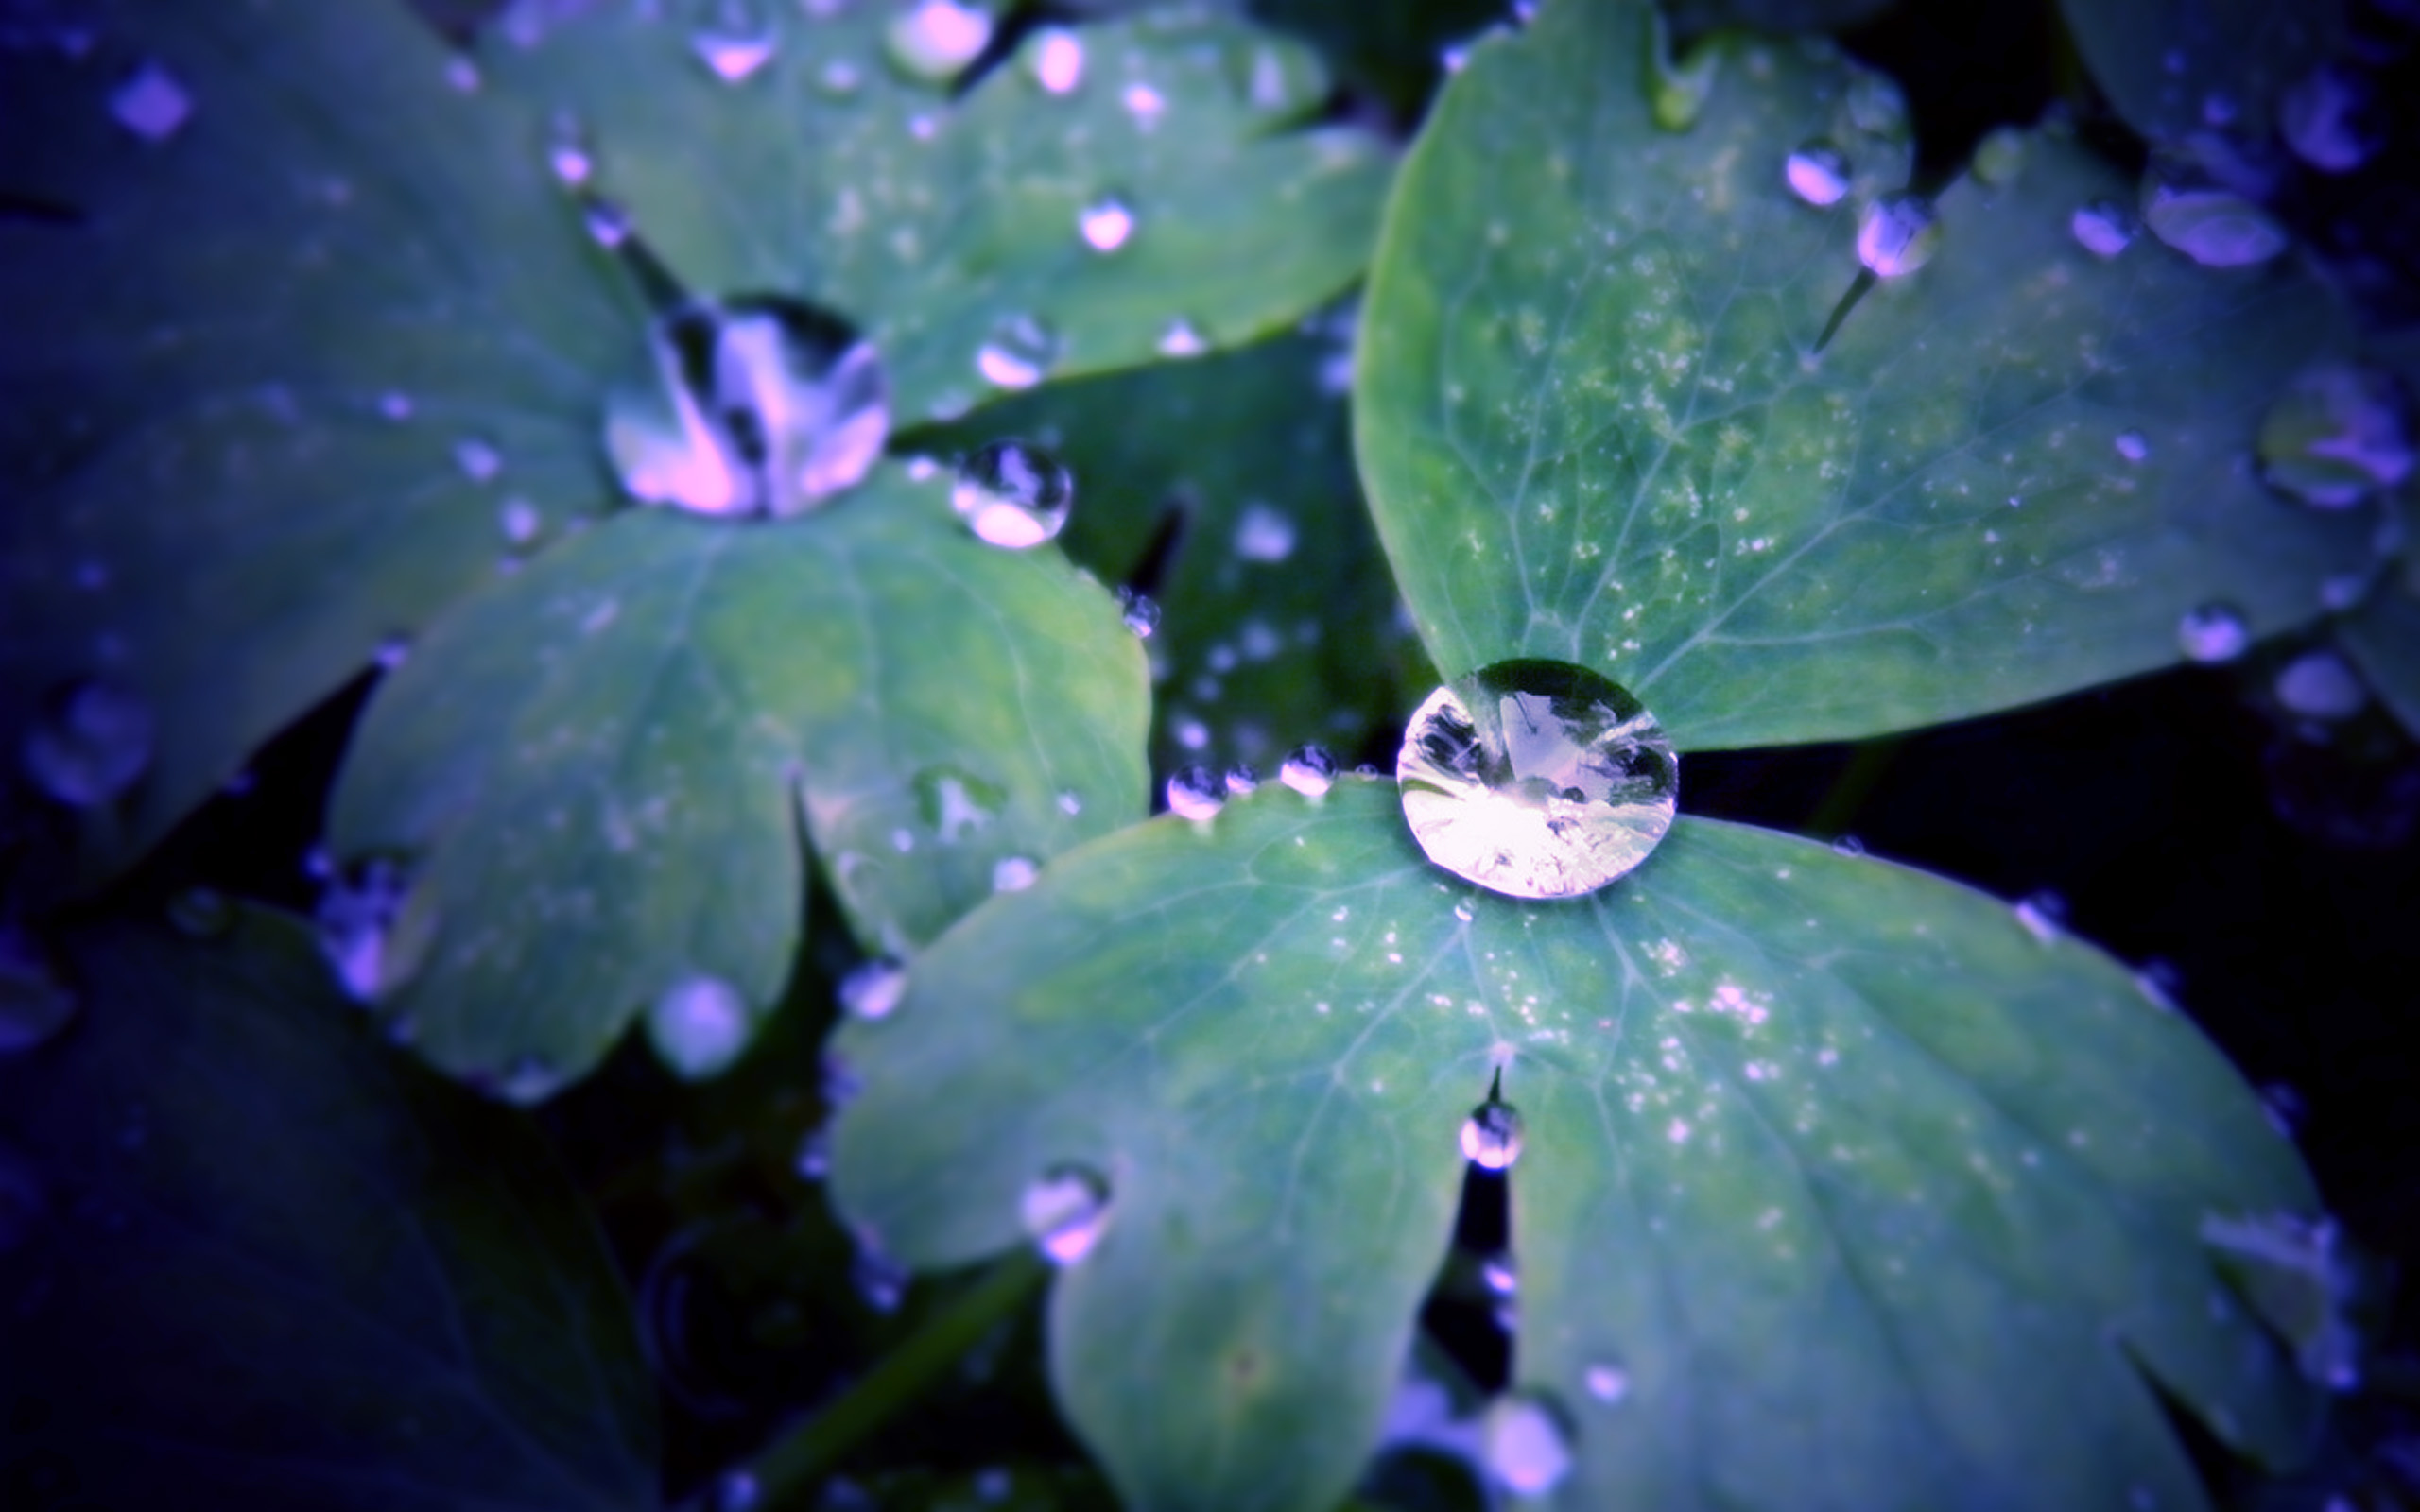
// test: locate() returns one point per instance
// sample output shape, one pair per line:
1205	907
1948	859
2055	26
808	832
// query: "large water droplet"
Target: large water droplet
2213	632
1105	225
2330	119
1308	770
738	41
1064	1212
699	1026
376	927
1536	778
1018	353
1898	234
152	103
34	1003
1197	793
2322	685
2102	228
1525	1445
1263	534
1818	174
1055	57
2337	435
1491	1135
89	742
2215	227
935	40
1012	494
874	989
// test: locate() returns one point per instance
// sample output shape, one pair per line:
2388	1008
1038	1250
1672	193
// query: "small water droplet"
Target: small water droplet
1818	174
2322	685
1055	57
2213	632
34	1003
2044	916
1013	494
2102	228
2215	227
1106	224
734	1492
1064	1212
1491	1135
374	927
89	742
1018	353
395	406
2338	434
392	652
881	1281
478	459
568	157
874	989
2132	446
1848	845
1608	1383
1242	781
461	74
1013	874
1536	778
1263	534
2331	120
519	519
1999	158
1071	804
1181	340
1197	793
1308	770
737	44
152	103
1144	104
699	1026
1897	236
1463	911
609	224
935	40
1525	1445
1141	612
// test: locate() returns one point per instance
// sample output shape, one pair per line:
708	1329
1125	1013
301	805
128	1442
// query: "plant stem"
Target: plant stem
796	1463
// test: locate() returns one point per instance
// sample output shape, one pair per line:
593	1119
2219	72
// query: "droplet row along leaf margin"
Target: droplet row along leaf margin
1873	1197
1596	426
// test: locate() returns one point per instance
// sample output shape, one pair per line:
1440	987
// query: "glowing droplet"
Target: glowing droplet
1525	1445
1242	781
1013	874
1818	174
1181	340
1106	225
1141	613
874	989
1608	1383
89	742
152	103
935	40
1197	793
1308	770
739	43
478	460
1056	59
1064	1212
2102	228
1013	495
1263	534
2213	632
1144	104
1537	779
1018	353
699	1026
1897	236
568	157
2132	446
2322	685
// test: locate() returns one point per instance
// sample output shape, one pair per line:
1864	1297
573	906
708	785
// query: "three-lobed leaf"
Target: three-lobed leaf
1840	1187
1599	420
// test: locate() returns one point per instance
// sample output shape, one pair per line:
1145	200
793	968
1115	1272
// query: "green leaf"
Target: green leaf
1596	426
2383	639
930	221
274	1265
597	767
1278	621
220	499
1867	1196
2174	70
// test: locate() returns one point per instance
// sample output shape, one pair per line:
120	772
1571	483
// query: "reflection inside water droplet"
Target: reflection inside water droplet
90	741
1309	771
699	1026
1491	1135
2213	632
1537	779
1816	174
1897	236
1242	781
1196	793
1141	613
1064	1212
1013	494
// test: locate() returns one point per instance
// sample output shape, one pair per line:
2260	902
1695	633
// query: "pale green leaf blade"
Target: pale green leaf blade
272	1264
1865	1193
1595	426
602	766
2174	70
930	220
246	360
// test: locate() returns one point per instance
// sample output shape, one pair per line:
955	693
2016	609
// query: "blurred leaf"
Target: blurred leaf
1595	425
244	360
1842	1188
2173	68
278	1266
596	767
1278	622
2383	639
1691	18
931	221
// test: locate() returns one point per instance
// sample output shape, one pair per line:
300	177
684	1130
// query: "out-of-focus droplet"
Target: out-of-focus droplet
2338	434
2132	446
376	927
1877	104
1308	770
737	42
477	457
1013	494
519	519
736	1491
607	223
1898	234
34	1003
1018	353
2331	120
1056	58
872	989
2102	228
1181	340
936	38
1849	846
1537	779
1608	1383
152	103
2215	227
1105	225
91	740
1816	174
1140	611
1677	89
1525	1445
462	74
2322	685
1197	793
2213	632
1144	105
1013	873
1264	534
1999	158
699	1026
1064	1212
2043	915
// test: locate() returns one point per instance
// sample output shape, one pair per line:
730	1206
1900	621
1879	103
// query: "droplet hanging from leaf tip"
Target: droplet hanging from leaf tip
1491	1136
872	989
1013	494
1898	234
